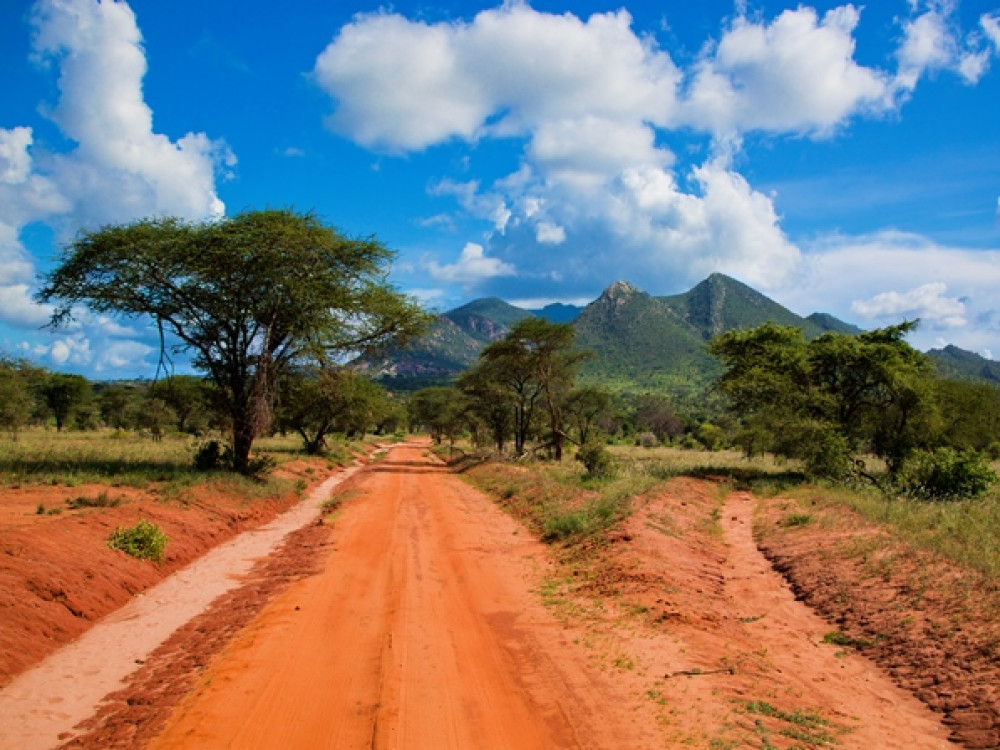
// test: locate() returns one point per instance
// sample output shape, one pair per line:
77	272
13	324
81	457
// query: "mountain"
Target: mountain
642	342
827	323
952	362
720	304
450	346
558	312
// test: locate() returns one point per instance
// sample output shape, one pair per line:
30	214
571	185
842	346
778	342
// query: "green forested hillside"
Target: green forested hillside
720	304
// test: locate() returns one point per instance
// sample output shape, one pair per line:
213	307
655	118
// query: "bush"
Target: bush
562	527
144	541
829	456
946	474
211	456
647	440
597	459
993	451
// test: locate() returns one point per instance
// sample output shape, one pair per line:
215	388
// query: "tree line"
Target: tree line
268	304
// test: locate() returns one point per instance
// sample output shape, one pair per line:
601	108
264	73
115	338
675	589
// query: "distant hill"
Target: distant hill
952	362
642	342
558	312
451	345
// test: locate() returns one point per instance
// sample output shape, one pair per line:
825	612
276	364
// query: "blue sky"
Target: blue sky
837	157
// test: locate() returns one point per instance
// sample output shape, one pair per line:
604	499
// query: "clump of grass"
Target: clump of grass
103	500
838	638
145	541
796	519
805	726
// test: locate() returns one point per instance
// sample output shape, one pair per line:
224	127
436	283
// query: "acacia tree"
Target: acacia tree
247	296
315	404
829	398
15	397
536	360
63	393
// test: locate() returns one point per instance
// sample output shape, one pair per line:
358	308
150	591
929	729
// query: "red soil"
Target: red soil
422	616
58	576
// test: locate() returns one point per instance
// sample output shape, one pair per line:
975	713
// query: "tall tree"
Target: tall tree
537	360
247	296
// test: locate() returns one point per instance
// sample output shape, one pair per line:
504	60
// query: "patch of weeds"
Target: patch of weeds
752	618
101	501
720	744
334	501
624	662
837	638
805	726
656	696
145	541
796	519
564	526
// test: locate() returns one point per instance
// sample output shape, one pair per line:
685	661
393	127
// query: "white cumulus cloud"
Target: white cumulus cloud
121	169
932	42
796	74
472	266
927	302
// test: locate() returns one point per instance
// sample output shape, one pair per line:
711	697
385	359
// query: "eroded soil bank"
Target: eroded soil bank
932	626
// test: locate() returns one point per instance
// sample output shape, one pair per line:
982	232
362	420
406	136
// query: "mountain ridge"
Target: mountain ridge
642	342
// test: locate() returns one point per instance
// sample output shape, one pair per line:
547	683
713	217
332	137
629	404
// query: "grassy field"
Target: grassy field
123	459
561	503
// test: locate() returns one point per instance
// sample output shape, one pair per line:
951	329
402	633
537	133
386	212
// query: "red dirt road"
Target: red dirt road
423	631
426	629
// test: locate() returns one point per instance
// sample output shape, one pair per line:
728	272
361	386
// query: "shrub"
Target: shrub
647	440
947	474
828	455
561	527
211	456
597	459
144	541
993	451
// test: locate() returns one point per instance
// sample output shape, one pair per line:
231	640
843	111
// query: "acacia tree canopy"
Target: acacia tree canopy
827	398
247	296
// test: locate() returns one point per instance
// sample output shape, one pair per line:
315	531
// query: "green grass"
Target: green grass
117	459
966	532
144	541
72	458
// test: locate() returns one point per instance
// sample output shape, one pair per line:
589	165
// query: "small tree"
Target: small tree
315	404
63	393
248	296
585	408
441	410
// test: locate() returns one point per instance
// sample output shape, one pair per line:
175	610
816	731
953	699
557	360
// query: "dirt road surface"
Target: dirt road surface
427	629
